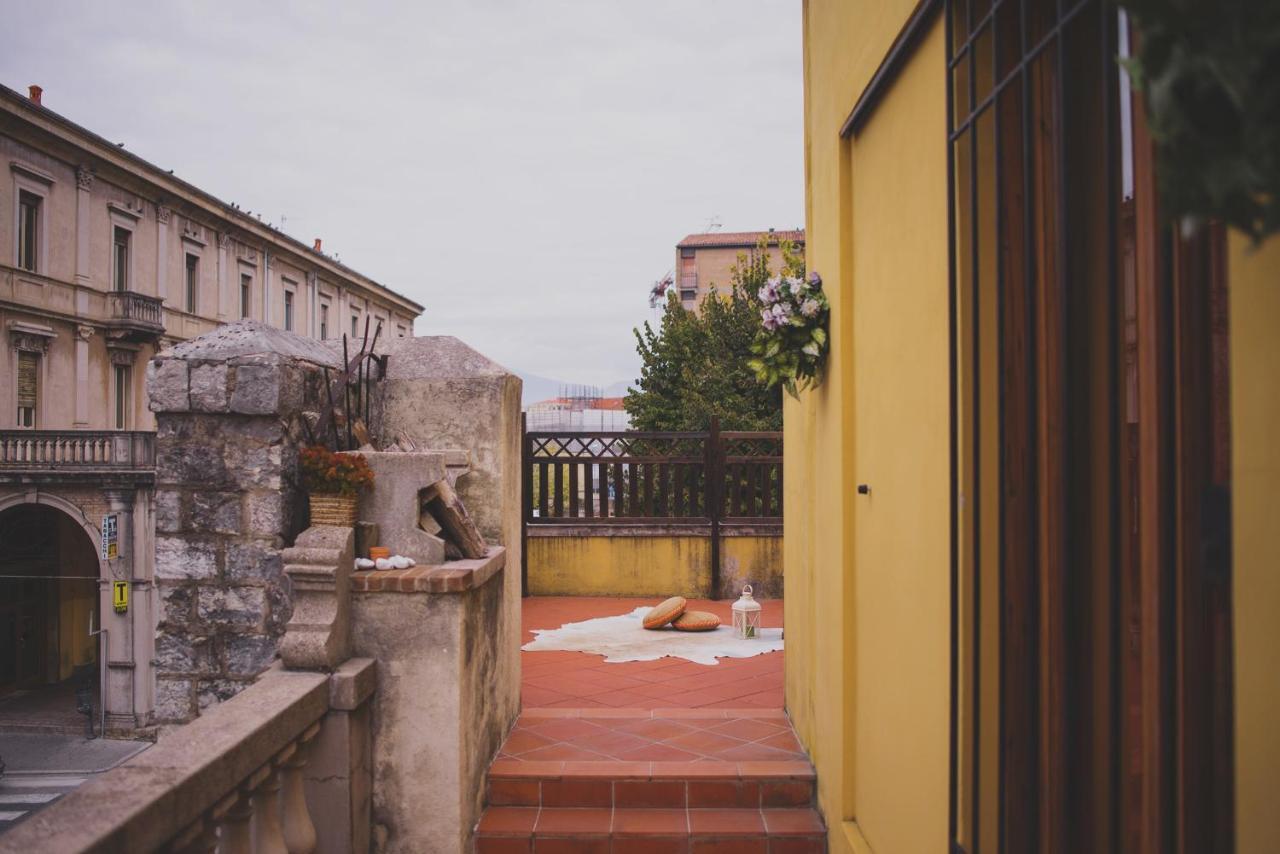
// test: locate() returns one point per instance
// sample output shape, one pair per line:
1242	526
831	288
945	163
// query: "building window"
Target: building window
120	258
123	377
28	388
400	330
193	281
324	322
28	229
246	293
288	310
355	324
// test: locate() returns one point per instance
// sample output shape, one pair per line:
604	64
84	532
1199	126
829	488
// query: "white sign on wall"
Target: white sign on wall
110	536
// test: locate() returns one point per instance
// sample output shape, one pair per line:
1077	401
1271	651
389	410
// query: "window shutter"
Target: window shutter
27	364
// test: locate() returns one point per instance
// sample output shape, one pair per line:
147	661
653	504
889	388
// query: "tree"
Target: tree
695	365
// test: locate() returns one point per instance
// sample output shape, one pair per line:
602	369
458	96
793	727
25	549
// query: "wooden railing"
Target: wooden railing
136	309
695	478
689	481
45	450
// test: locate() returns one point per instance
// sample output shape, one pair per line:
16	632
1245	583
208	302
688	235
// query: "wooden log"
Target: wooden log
448	509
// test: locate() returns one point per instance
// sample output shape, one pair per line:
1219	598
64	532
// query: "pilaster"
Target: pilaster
83	334
162	252
84	184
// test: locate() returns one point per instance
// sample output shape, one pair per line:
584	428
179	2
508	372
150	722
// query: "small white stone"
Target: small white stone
364	563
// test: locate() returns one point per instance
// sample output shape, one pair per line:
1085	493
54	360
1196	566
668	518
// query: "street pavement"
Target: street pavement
40	769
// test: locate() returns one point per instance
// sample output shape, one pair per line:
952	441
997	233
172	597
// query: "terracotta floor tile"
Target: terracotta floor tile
707	742
795	769
524	740
729	845
792	822
612	770
655	729
571	845
650	845
565	752
786	793
783	741
750	729
725	822
504	844
746	753
642	822
702	769
659	753
725	794
514	793
667	794
519	768
508	821
577	821
577	792
798	845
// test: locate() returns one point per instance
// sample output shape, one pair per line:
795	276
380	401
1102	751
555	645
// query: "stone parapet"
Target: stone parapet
455	576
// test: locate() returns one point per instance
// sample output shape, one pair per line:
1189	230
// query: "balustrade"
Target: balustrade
76	449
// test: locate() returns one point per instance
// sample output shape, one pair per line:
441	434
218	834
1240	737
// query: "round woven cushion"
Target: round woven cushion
696	621
665	612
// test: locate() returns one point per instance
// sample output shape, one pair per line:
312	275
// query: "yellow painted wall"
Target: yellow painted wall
1254	276
867	589
649	565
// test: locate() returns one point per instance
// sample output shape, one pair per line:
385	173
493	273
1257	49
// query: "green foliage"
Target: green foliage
1210	73
696	364
790	348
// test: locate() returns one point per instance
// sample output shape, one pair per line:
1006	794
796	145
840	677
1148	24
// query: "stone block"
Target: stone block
181	559
266	514
167	386
179	653
247	563
243	608
209	388
255	465
247	655
175	699
177	607
190	462
168	510
209	692
215	512
257	390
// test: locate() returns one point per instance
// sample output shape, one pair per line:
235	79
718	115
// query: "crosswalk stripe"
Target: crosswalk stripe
7	799
39	782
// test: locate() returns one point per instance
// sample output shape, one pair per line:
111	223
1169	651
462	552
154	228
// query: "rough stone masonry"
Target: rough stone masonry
229	419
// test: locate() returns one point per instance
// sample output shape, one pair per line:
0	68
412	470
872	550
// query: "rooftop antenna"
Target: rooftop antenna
713	224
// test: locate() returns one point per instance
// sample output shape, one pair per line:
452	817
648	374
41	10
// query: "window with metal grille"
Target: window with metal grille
28	229
324	322
120	238
28	388
123	378
193	283
246	293
288	310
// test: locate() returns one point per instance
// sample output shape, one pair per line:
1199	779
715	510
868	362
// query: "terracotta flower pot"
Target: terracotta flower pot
337	510
376	552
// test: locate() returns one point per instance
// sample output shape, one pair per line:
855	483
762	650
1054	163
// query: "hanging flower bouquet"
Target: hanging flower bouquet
791	347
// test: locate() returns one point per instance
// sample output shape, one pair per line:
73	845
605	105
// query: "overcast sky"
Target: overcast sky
522	169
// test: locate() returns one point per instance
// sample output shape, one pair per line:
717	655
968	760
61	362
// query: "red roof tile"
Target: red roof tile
738	238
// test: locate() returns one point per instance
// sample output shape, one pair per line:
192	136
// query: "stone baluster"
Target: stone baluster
299	832
268	837
236	837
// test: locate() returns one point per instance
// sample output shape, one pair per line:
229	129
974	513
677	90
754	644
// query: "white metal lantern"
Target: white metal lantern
746	616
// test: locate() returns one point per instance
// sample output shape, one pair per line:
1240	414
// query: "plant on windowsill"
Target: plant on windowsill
333	482
791	347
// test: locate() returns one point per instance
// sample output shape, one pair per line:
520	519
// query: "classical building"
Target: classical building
105	259
704	261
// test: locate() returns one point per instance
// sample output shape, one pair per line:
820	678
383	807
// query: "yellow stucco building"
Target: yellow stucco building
1031	510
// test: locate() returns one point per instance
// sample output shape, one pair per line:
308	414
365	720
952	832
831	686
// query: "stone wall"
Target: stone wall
228	411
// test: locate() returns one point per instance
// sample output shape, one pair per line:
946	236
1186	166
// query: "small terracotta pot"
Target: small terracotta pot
376	552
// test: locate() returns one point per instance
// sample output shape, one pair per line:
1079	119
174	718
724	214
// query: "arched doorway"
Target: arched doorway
49	572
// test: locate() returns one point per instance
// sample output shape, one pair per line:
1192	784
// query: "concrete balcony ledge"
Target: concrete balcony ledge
455	576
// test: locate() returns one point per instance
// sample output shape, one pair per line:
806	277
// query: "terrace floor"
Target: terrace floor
576	680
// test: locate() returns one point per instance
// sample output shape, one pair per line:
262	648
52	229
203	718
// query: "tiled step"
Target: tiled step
743	784
668	785
554	830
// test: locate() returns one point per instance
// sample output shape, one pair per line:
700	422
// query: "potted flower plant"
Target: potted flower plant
332	482
791	346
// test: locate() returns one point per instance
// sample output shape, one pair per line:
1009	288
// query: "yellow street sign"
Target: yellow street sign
120	596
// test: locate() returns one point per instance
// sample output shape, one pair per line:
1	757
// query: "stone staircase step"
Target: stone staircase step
666	785
595	830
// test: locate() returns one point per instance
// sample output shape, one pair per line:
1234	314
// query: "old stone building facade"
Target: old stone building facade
105	259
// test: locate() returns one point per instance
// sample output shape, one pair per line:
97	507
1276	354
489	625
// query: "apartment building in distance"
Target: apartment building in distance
106	258
704	261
